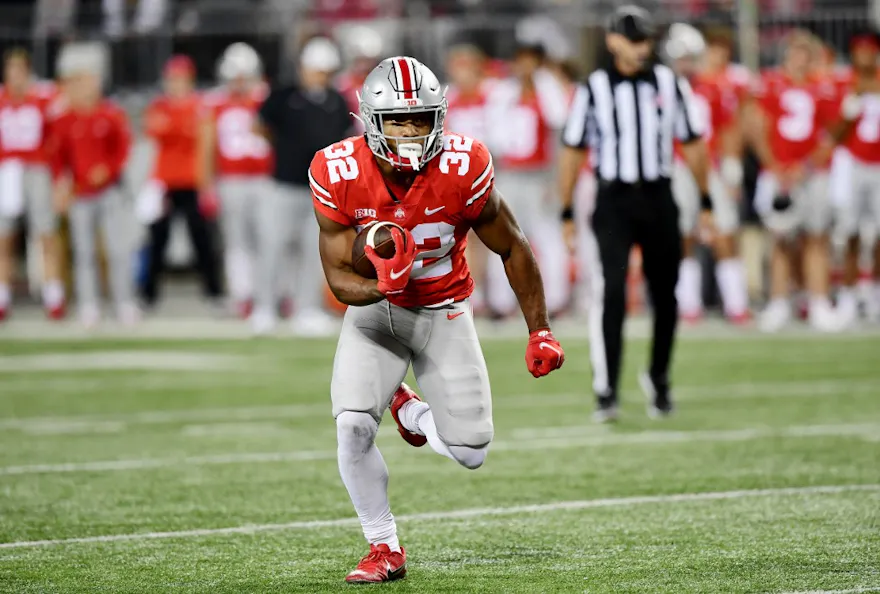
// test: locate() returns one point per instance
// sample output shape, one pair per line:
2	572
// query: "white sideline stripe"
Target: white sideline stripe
274	412
552	442
461	514
852	591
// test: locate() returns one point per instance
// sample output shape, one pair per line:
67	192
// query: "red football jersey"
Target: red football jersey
24	124
439	209
468	113
83	140
238	150
716	106
797	112
864	140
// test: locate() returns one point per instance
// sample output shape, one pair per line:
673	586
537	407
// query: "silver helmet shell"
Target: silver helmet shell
402	85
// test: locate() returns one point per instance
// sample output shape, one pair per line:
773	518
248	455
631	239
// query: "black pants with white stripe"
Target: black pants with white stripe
628	214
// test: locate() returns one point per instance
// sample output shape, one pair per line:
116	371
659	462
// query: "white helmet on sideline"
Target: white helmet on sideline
239	60
683	41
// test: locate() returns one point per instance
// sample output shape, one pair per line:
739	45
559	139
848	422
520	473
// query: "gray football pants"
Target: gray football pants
107	211
378	343
297	258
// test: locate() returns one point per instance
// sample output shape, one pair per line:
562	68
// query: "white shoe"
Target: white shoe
775	316
89	316
129	314
847	308
262	322
313	323
824	318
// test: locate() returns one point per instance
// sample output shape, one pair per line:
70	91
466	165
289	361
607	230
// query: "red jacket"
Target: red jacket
174	126
83	140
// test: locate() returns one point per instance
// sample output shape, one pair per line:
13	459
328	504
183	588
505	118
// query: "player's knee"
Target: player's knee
470	457
355	432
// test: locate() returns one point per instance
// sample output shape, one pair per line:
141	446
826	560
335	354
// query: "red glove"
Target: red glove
393	273
209	203
544	353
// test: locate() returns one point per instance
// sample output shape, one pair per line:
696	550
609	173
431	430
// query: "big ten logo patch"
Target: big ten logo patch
365	213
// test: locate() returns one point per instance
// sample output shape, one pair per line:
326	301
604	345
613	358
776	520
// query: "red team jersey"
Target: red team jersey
239	151
798	114
24	124
716	105
467	114
863	142
439	209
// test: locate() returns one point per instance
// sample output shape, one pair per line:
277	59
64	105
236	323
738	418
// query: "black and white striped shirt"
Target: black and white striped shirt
630	122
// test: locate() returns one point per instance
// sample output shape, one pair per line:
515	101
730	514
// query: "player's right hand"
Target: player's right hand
393	273
569	235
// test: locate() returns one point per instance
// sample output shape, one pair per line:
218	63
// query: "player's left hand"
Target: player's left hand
393	273
544	353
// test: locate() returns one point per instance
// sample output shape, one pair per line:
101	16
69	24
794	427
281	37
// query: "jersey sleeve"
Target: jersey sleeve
324	198
477	185
688	126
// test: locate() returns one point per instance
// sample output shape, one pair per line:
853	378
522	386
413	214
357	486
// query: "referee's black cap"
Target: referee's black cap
633	22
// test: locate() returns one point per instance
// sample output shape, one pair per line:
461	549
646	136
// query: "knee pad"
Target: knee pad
355	432
470	458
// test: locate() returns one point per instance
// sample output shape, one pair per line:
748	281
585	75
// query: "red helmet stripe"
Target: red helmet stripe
407	77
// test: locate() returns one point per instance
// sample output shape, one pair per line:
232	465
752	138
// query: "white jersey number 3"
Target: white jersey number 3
800	111
340	164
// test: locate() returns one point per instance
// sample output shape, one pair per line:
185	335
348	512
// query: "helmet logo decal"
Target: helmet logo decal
405	78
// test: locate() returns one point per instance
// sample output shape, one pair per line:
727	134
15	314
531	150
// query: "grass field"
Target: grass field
209	466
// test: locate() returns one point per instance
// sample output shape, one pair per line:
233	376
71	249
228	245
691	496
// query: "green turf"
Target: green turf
243	437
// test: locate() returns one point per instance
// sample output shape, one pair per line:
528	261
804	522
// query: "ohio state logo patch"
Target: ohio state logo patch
399	213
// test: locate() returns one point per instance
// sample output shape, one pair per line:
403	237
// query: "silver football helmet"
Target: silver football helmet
397	86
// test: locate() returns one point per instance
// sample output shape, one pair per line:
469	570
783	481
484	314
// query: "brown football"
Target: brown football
379	236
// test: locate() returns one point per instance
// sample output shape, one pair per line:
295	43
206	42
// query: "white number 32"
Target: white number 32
340	164
455	150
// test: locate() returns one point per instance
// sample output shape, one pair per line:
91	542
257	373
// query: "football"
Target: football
377	235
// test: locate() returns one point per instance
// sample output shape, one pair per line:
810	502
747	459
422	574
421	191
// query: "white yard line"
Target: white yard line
82	423
852	591
551	441
481	512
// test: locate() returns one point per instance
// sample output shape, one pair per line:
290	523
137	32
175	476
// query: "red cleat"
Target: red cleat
56	313
403	395
740	319
692	318
244	309
380	565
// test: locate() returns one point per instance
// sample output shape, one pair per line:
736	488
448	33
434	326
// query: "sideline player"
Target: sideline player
437	187
717	107
856	176
25	122
467	114
239	161
793	147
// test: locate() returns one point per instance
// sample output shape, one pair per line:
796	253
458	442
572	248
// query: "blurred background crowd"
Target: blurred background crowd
136	141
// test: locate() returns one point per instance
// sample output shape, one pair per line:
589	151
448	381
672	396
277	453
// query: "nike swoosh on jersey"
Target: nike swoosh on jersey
429	211
397	275
452	316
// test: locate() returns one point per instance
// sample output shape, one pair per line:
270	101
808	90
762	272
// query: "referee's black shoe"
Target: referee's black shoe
658	394
606	409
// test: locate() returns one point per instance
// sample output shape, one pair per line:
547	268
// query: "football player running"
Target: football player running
437	187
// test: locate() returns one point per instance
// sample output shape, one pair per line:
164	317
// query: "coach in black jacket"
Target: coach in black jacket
629	113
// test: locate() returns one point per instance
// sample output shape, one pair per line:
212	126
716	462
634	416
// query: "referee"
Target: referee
628	113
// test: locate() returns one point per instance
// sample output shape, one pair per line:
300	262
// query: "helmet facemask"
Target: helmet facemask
412	152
